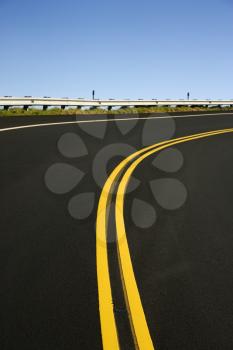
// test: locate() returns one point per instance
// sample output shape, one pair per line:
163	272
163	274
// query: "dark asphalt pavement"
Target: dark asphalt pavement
183	262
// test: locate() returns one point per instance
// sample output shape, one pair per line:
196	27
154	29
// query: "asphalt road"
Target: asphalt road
183	261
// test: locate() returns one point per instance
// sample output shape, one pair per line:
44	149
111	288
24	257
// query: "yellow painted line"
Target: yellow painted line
136	313
106	309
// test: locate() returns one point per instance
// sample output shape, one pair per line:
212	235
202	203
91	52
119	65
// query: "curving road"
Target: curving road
182	264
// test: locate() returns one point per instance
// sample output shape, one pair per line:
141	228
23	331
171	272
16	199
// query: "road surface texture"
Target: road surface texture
182	256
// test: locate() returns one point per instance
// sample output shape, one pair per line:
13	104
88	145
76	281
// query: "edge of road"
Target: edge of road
14	123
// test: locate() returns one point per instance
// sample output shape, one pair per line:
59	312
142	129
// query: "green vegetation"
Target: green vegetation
71	111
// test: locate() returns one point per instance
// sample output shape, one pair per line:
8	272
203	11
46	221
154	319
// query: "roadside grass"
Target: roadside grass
135	110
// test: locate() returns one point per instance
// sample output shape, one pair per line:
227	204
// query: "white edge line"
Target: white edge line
109	120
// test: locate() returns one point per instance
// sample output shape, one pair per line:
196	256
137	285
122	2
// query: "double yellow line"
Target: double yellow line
139	327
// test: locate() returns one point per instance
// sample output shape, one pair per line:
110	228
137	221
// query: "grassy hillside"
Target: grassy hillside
71	111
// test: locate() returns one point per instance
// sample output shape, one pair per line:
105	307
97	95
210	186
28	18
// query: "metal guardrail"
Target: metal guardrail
45	102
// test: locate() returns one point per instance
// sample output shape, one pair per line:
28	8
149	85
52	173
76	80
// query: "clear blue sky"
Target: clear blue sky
121	48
